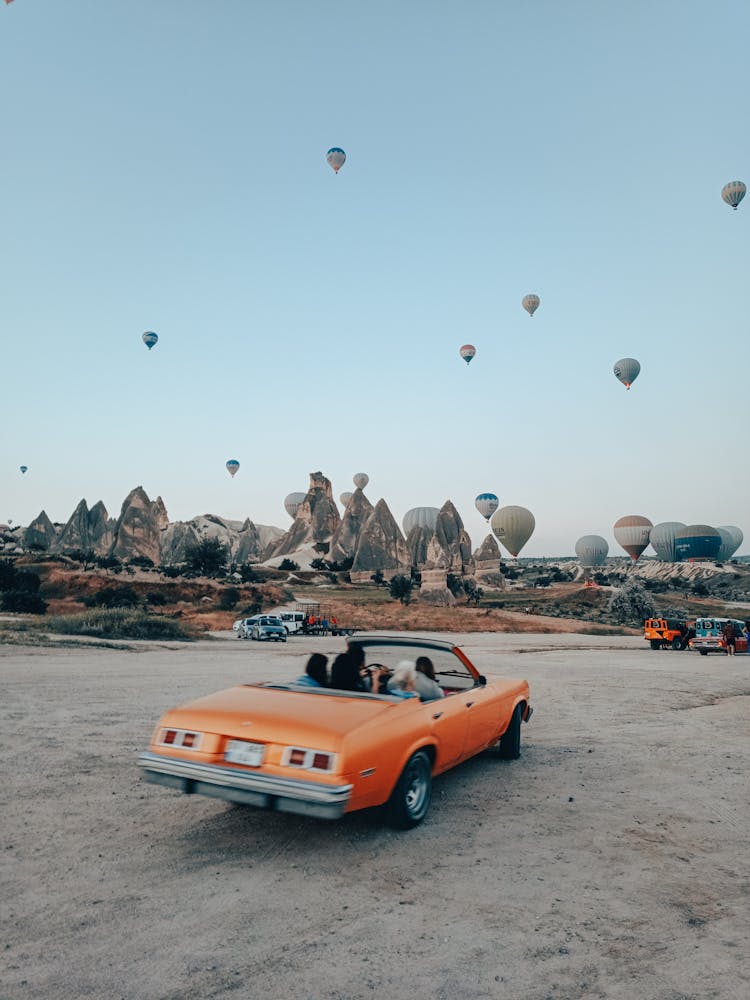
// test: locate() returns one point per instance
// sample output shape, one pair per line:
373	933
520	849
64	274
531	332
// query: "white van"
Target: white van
292	621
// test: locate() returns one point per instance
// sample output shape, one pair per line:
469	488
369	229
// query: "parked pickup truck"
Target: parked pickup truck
709	637
672	632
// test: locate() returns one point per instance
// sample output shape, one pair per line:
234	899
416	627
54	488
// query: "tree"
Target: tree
289	565
207	557
631	604
23	602
454	584
400	588
377	578
474	594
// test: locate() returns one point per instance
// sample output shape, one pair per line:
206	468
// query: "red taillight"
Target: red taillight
297	757
321	761
188	740
169	736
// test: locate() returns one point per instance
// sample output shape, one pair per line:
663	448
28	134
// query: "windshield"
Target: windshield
450	671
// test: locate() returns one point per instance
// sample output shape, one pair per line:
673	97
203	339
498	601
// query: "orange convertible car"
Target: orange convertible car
323	752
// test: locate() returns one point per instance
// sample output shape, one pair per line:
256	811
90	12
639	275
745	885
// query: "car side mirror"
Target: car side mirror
481	680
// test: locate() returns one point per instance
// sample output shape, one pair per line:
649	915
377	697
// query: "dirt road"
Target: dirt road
610	861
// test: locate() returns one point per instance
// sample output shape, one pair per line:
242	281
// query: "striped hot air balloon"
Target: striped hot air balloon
335	158
420	517
530	303
591	550
467	352
150	338
733	193
232	467
632	534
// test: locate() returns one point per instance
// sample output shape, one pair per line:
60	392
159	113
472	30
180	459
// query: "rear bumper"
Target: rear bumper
306	798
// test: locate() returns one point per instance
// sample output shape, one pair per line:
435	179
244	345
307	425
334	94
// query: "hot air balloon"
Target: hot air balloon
663	537
632	534
420	517
486	504
232	467
513	527
591	550
697	541
731	539
530	303
24	468
293	502
361	479
627	369
150	338
467	352
733	193
335	158
345	498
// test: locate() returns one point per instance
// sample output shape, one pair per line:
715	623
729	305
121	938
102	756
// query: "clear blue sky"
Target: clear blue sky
163	168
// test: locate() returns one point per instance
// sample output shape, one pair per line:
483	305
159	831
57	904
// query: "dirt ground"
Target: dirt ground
610	861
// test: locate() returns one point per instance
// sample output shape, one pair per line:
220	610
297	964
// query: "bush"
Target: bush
631	604
118	624
108	562
113	597
143	561
156	599
400	588
454	584
474	594
25	580
247	573
23	602
229	598
171	572
289	565
377	578
318	563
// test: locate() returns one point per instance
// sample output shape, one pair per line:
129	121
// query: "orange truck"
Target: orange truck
674	633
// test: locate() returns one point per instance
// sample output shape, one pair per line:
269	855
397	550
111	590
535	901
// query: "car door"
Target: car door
486	716
449	719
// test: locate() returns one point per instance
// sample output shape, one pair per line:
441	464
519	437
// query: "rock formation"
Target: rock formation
381	547
346	536
434	589
86	531
417	542
139	528
40	534
487	562
453	541
314	523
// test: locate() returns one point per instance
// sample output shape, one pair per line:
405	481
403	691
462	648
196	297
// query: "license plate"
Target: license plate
241	752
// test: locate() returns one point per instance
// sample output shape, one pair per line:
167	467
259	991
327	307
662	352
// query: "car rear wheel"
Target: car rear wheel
703	652
655	644
509	747
677	642
411	797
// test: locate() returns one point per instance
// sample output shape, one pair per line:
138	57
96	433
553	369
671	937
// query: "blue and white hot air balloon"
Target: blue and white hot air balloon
487	504
335	158
150	338
24	469
232	467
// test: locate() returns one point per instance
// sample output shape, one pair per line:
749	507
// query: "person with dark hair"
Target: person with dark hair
346	672
730	638
427	687
316	674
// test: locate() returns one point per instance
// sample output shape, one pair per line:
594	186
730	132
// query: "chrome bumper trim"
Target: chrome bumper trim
248	787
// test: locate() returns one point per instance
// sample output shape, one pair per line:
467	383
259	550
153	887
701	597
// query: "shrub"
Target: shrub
631	604
108	562
377	578
143	561
318	563
474	594
118	624
113	597
289	565
229	598
247	573
171	572
400	588
25	580
23	602
155	598
454	584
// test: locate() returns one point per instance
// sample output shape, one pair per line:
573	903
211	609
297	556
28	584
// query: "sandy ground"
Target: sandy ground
610	861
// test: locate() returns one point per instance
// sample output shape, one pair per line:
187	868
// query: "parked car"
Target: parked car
292	621
709	636
323	752
268	627
245	626
668	632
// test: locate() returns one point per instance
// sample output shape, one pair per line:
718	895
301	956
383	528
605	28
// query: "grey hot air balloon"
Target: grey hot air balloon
632	534
420	517
591	550
627	370
233	467
345	498
663	537
513	527
150	338
733	193
531	303
361	479
731	539
293	502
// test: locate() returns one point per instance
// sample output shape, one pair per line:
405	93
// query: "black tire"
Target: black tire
703	652
509	747
655	643
411	797
677	642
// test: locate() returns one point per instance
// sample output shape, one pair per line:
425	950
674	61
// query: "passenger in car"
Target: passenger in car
347	672
316	673
427	687
404	680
